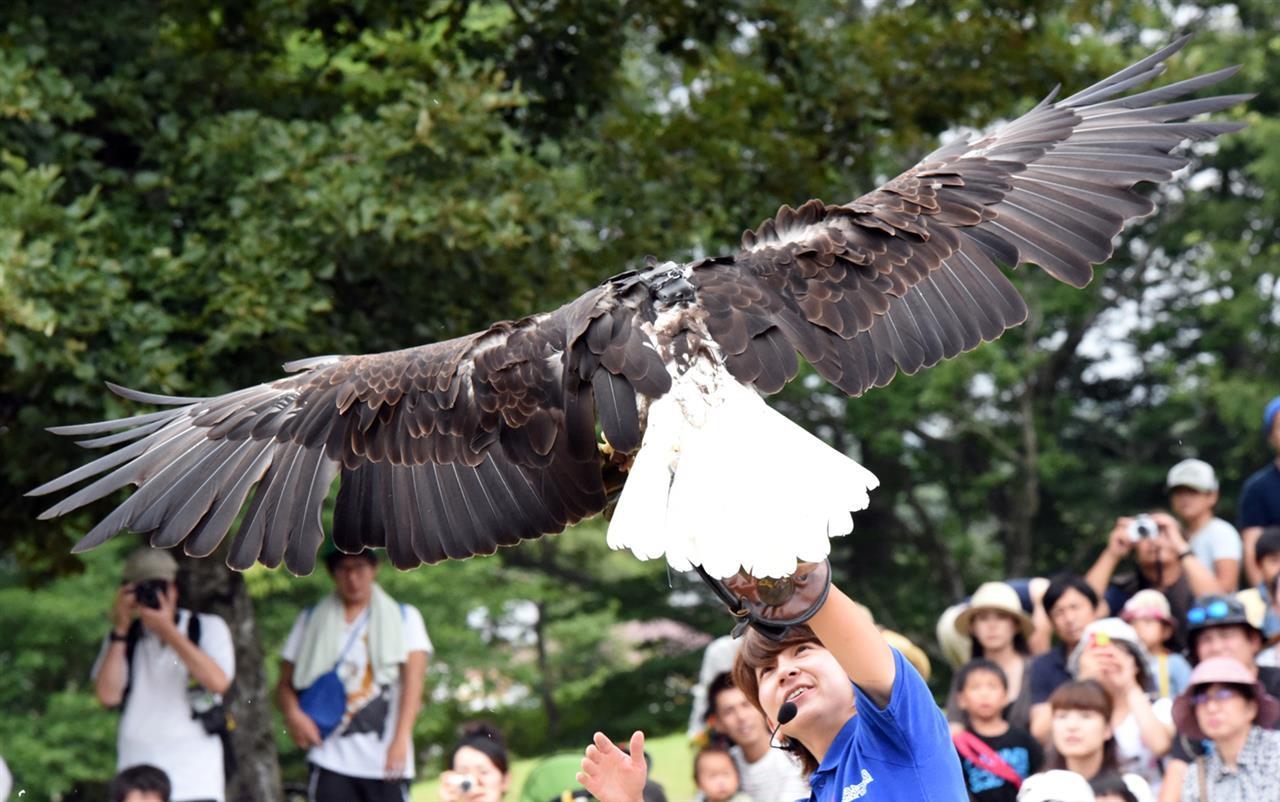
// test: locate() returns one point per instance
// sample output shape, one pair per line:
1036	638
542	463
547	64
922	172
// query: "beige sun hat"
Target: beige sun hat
147	563
997	596
1149	603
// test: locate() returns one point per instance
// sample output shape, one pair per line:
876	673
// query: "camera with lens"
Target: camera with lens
1142	527
148	593
464	783
209	710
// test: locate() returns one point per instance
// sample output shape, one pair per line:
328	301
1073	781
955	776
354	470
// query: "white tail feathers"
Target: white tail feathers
723	481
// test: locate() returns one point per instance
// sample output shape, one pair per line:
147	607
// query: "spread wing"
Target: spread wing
453	449
909	274
445	450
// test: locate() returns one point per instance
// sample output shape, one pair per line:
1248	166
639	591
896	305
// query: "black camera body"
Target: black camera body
148	593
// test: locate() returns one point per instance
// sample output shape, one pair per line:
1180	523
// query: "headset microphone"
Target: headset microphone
785	714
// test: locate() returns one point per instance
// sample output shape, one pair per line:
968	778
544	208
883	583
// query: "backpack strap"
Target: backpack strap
131	639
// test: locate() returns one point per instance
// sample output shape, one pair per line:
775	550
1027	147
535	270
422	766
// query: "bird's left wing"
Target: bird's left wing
445	450
909	274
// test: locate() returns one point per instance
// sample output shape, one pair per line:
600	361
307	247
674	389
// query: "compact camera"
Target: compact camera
1142	527
465	782
148	593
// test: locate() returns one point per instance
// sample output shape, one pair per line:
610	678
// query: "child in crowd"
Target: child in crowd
716	776
994	755
1111	788
1148	612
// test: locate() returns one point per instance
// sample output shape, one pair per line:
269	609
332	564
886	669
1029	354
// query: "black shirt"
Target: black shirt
1048	671
1017	748
1260	499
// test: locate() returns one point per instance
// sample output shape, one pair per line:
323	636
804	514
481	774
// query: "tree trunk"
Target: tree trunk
547	687
208	586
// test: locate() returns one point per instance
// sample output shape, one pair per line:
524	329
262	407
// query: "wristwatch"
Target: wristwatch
116	637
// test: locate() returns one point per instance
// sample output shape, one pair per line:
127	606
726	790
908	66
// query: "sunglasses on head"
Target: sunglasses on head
1219	695
1213	610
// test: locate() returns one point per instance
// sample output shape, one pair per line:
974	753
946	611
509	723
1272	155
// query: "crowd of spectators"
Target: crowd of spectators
1152	676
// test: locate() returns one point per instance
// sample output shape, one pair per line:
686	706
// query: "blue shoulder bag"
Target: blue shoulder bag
325	700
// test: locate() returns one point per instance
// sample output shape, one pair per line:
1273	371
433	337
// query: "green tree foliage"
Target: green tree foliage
193	192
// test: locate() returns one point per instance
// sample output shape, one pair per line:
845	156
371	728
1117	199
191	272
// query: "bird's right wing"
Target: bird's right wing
908	274
445	450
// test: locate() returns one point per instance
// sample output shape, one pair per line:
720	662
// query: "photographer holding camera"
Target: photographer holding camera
479	769
1164	560
164	667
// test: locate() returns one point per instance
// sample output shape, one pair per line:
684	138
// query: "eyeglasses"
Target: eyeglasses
1220	695
1213	610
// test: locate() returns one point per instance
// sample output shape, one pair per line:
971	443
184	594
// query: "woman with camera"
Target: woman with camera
478	766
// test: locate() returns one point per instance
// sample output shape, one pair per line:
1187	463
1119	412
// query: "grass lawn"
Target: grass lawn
672	768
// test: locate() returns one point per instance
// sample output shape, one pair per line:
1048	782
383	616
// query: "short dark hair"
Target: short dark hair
977	665
1268	543
1060	584
1110	783
712	749
718	685
334	557
142	777
486	739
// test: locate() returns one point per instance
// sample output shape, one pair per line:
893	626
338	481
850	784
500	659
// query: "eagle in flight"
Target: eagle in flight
455	448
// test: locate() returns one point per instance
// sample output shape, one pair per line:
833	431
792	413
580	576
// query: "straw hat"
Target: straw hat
1227	671
914	654
994	596
956	648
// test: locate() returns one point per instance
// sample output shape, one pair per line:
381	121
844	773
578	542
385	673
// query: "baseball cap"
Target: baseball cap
1148	603
1269	415
1058	785
1120	632
1193	473
147	563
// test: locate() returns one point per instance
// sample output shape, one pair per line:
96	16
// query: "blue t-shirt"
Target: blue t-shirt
1260	499
901	752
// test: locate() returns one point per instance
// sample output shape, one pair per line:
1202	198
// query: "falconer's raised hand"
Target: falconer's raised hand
612	775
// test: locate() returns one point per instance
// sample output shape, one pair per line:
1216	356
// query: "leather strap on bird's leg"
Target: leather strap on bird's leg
772	606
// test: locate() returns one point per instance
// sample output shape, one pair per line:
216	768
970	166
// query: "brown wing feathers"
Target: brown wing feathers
444	451
907	275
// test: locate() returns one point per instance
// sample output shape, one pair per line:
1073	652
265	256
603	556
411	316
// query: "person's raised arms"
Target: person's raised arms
847	630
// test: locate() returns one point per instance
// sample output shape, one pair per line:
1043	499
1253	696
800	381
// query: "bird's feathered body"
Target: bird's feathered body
455	448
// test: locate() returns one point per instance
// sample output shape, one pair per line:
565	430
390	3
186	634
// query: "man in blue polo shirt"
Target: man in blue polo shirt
1260	499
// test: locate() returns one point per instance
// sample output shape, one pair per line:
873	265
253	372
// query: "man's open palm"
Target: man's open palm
610	774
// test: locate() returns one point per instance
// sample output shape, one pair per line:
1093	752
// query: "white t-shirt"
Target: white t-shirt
776	777
1132	754
358	747
156	725
1216	540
